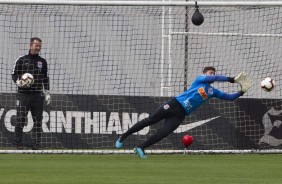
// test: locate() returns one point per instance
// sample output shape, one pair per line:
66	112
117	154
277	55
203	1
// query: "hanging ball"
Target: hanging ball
197	18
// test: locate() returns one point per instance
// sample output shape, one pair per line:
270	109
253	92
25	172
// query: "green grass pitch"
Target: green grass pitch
129	169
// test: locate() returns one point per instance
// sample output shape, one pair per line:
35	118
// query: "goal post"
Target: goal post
112	63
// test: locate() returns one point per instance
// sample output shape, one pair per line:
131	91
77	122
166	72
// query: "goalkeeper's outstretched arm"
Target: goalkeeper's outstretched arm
237	79
245	85
230	97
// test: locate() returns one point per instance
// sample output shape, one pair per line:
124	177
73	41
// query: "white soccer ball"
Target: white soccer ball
267	84
27	79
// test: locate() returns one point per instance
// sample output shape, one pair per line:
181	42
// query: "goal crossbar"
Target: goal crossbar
144	3
227	34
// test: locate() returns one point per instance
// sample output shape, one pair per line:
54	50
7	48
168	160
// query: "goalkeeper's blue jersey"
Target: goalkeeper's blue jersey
201	90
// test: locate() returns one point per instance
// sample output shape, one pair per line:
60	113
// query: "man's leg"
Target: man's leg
158	115
155	117
135	128
170	125
22	110
37	115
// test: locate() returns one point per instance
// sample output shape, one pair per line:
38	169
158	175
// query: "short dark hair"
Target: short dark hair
208	68
35	38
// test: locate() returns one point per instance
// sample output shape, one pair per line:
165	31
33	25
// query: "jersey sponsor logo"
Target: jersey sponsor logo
187	127
210	91
39	64
166	106
203	93
187	104
271	121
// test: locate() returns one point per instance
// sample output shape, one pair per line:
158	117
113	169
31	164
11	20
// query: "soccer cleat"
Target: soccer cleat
140	152
119	144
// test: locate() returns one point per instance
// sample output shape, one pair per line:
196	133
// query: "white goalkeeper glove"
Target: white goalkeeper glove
47	96
21	83
246	84
240	77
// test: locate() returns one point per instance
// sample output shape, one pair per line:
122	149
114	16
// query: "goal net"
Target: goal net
112	65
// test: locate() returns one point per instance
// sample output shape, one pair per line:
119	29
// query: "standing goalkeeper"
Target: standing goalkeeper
175	110
31	97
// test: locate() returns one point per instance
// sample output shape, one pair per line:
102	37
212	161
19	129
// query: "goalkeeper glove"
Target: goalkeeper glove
47	96
246	84
238	78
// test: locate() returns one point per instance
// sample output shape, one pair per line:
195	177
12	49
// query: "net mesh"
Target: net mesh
111	66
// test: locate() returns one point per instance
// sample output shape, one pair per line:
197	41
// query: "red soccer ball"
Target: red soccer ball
187	140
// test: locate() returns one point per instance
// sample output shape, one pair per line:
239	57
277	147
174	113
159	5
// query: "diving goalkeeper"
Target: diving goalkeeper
175	110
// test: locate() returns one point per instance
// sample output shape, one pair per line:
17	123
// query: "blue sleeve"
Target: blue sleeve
225	96
213	78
